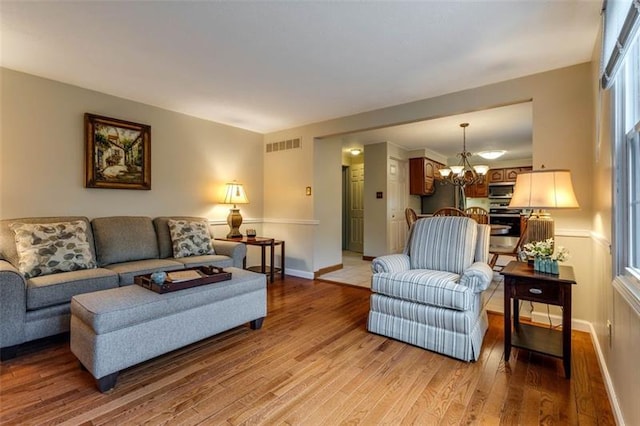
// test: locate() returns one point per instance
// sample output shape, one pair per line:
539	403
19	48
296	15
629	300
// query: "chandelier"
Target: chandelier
464	174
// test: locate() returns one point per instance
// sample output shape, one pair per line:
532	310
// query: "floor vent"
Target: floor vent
283	145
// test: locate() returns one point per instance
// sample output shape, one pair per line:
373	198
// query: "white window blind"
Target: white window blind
621	24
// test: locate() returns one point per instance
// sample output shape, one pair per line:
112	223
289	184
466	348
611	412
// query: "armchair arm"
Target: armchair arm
477	277
13	298
236	251
391	263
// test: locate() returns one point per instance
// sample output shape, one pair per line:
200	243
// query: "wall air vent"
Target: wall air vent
283	145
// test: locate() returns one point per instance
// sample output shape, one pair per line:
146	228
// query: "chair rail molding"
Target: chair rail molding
575	233
312	222
244	221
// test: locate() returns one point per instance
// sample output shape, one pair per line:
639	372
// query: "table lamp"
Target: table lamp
235	194
540	190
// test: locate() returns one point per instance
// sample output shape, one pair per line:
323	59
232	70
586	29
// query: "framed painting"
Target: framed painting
118	153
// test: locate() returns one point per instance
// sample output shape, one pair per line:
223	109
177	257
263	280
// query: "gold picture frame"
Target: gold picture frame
118	153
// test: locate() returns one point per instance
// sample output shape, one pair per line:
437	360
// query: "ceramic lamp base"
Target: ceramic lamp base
234	220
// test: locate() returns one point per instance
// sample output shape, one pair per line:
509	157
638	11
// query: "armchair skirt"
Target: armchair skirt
458	334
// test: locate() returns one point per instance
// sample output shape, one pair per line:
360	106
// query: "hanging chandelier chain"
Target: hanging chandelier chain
468	174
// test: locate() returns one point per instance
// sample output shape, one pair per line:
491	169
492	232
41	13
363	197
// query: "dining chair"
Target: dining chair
449	211
410	215
479	214
497	251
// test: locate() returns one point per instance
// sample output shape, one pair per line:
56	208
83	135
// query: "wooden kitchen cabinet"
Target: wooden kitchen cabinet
423	173
511	174
506	175
477	190
496	175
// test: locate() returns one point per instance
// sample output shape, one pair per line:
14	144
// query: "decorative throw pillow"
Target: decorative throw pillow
47	248
190	238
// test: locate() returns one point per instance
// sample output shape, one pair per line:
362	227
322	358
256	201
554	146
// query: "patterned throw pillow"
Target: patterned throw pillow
190	238
47	248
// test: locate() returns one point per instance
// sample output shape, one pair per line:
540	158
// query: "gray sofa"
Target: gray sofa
122	247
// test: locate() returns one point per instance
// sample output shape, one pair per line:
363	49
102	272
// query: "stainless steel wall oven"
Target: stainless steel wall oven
510	219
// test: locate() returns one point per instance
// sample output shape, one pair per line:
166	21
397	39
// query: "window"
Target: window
626	154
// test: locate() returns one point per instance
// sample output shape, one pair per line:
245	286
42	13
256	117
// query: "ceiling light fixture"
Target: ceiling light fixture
492	155
464	174
355	151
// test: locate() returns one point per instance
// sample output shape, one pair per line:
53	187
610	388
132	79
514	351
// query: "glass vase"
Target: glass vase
537	263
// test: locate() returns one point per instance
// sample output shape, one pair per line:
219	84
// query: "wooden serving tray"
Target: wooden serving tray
210	274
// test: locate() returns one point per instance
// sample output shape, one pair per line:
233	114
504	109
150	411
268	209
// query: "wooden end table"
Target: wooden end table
521	282
263	243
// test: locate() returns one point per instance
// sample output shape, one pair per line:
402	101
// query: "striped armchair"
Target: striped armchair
431	295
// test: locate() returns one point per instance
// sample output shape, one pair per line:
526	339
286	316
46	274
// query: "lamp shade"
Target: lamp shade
235	194
544	189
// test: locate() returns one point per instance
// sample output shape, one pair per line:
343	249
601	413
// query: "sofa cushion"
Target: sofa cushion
48	248
124	239
444	243
436	288
207	260
7	236
50	290
165	245
190	238
127	270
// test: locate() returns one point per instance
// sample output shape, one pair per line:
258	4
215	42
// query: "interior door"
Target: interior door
398	201
356	211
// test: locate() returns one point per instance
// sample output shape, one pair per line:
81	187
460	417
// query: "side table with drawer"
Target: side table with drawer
521	282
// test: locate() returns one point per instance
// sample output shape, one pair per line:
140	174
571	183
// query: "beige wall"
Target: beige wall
375	209
562	104
42	156
328	187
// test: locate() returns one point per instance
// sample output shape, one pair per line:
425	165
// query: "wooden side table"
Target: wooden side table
521	282
263	243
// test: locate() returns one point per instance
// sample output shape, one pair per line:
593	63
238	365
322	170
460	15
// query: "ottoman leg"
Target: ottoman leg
107	382
256	324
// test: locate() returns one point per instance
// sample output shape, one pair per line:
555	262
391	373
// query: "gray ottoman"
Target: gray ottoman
117	328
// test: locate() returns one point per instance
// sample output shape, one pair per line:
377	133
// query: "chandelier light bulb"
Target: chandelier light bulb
445	172
457	169
481	169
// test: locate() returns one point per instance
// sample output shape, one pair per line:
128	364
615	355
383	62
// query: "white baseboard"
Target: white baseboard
617	412
299	273
587	327
576	324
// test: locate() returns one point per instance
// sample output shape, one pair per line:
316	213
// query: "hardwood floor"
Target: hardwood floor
313	362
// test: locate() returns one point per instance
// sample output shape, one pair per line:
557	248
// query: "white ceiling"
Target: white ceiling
272	65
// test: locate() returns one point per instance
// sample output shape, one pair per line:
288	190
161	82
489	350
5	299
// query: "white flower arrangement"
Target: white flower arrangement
561	254
545	249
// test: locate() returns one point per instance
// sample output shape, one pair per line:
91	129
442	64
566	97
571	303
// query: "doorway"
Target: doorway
398	201
353	208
